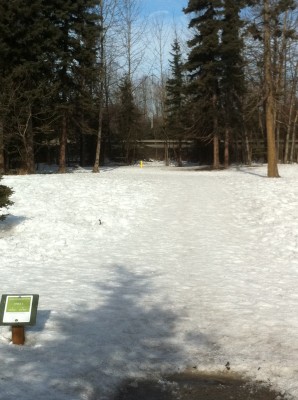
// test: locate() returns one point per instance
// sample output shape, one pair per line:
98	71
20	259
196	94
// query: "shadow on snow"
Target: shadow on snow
125	333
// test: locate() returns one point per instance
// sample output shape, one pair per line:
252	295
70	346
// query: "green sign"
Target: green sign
18	304
18	309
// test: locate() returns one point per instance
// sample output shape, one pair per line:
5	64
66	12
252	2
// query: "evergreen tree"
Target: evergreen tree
74	59
5	193
175	97
204	66
232	75
129	117
47	52
22	67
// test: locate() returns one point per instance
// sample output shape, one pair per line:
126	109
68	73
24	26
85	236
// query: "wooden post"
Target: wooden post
18	335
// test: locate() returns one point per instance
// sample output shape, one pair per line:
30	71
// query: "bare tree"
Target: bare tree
107	13
131	33
270	112
160	32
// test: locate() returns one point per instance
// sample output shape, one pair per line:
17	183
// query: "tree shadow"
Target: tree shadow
9	223
127	330
249	172
43	317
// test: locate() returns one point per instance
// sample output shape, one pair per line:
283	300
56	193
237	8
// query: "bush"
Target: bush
5	193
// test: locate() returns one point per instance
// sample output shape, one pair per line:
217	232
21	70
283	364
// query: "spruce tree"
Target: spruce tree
232	85
204	66
76	27
22	66
5	193
48	64
175	98
129	117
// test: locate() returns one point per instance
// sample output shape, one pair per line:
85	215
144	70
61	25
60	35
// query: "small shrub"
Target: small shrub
5	193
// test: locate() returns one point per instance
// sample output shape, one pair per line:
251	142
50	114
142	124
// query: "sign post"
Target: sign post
18	310
18	334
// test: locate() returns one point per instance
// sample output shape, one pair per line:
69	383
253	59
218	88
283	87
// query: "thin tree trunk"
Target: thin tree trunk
2	164
26	134
98	139
227	143
30	165
215	152
167	163
102	77
288	134
63	142
179	155
280	83
293	138
272	171
215	135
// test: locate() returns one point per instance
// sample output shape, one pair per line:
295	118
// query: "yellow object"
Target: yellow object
141	164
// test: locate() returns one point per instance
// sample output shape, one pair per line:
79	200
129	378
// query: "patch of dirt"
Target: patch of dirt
197	386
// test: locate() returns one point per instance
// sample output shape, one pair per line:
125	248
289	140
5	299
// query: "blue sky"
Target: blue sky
173	8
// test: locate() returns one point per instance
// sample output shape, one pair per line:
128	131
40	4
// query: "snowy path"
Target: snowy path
187	269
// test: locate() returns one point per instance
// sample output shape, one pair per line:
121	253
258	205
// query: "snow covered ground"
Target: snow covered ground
186	269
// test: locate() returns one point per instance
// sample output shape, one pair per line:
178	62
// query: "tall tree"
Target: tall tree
232	75
272	171
204	66
74	50
23	64
131	34
269	30
175	96
107	11
128	118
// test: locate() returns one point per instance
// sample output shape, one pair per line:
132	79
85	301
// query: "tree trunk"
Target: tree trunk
247	149
102	77
97	151
30	164
280	83
98	139
227	154
287	144
2	164
215	135
63	142
167	163
272	171
215	152
293	138
179	155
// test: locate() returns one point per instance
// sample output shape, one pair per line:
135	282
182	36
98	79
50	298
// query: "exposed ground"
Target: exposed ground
197	386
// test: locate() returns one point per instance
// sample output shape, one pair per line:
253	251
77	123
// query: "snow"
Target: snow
187	268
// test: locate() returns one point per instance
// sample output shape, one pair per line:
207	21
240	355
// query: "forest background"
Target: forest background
86	81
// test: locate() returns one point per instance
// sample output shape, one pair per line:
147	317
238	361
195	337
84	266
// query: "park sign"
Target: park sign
18	309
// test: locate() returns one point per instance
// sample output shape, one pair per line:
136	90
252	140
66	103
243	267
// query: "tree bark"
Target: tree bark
30	164
2	164
167	162
99	132
247	148
63	142
272	170
293	137
227	154
215	152
215	135
101	92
